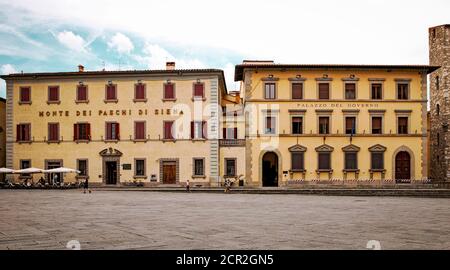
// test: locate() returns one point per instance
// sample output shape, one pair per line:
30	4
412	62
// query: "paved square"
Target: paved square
162	220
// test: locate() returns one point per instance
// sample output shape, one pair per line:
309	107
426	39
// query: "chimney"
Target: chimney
80	68
170	65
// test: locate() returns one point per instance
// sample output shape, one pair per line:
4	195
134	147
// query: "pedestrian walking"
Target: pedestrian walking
188	187
86	186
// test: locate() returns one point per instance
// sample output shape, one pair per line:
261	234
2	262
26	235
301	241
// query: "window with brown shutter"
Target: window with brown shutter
297	161
297	90
403	125
168	130
351	161
139	92
199	90
111	92
169	91
324	125
270	125
53	93
269	91
112	131
297	125
82	131
82	94
376	125
377	160
23	133
139	130
402	91
324	91
25	94
377	91
350	125
53	132
350	91
324	161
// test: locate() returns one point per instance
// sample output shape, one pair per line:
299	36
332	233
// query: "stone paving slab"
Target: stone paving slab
48	219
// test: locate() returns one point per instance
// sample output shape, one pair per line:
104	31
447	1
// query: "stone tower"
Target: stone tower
439	42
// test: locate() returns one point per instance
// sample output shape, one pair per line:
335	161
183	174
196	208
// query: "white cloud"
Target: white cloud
72	41
121	43
7	69
155	57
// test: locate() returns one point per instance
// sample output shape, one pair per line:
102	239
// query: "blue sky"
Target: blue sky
46	35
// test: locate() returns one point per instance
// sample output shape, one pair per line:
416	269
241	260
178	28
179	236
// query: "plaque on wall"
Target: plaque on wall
126	166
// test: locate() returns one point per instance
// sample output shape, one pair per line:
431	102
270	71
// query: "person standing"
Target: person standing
188	187
86	186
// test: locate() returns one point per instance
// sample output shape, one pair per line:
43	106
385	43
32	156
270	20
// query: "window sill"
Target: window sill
198	176
53	141
140	176
139	140
169	99
24	102
111	140
297	170
198	139
81	101
54	102
377	170
324	170
198	99
82	141
229	176
110	100
168	140
351	170
20	142
139	100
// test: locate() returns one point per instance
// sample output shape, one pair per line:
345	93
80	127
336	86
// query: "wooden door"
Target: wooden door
169	173
403	166
111	172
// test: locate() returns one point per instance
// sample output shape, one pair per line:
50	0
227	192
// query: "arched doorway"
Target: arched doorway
270	170
402	166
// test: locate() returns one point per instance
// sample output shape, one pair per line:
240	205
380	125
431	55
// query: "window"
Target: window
376	125
437	82
377	161
297	125
351	161
350	125
324	161
269	91
297	90
53	132
169	91
111	92
198	130
25	94
324	125
23	133
199	166
230	133
230	167
139	167
402	91
82	131
324	91
403	125
350	91
112	131
199	90
139	130
438	139
168	130
270	125
437	109
53	94
297	161
377	91
82	94
82	166
25	164
139	92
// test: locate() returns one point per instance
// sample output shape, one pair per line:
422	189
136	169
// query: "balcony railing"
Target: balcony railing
232	142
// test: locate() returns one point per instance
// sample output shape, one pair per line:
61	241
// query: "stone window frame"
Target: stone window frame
48	95
78	176
106	131
164	99
271	81
353	80
403	113
300	114
77	100
106	100
350	113
177	169
20	95
299	80
275	115
324	148
406	81
135	175
376	81
351	148
135	100
298	149
61	164
29	128
324	80
377	148
226	167
25	175
196	98
194	175
134	131
377	113
48	133
324	113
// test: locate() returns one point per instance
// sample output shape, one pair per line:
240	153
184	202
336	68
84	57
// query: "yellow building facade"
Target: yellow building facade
149	127
328	122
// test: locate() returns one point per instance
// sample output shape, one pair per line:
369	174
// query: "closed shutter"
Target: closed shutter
297	161
349	125
324	91
297	90
402	125
350	161
169	92
235	133
139	91
324	161
139	131
81	93
269	124
198	90
25	94
376	125
168	130
111	92
377	161
192	130
75	132
53	93
88	131
117	131
18	133
350	91
224	133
